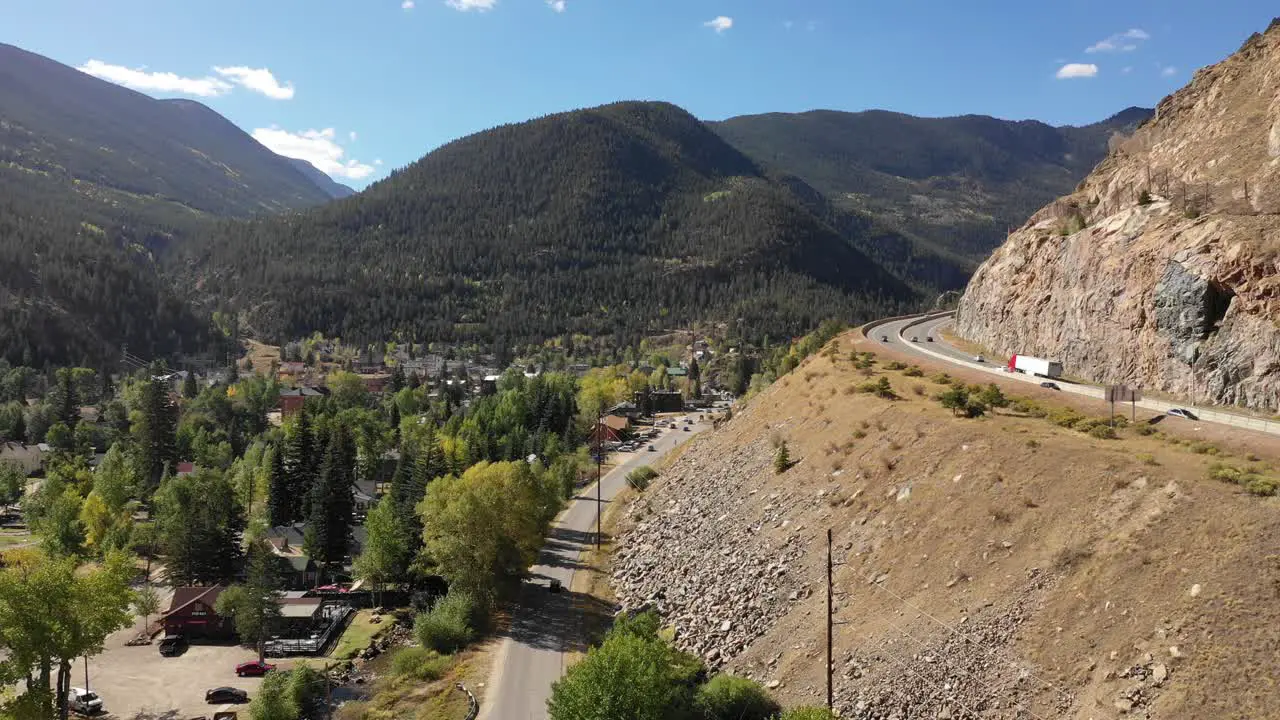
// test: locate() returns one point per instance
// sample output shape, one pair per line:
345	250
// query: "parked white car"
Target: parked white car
84	702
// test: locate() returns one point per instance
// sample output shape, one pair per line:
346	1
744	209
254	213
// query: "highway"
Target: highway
545	625
899	332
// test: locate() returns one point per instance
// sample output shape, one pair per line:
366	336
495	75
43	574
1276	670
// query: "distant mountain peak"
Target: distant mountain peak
331	187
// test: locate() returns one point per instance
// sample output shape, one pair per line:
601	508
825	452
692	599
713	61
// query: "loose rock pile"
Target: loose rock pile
719	576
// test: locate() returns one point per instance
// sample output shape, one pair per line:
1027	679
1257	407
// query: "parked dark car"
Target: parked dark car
555	586
1051	386
218	696
172	645
652	448
884	338
915	339
928	338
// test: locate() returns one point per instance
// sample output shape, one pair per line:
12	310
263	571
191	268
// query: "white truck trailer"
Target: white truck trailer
1035	366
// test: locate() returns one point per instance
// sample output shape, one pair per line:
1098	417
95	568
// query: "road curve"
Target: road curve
921	327
544	625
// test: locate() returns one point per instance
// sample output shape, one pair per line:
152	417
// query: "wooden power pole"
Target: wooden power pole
830	664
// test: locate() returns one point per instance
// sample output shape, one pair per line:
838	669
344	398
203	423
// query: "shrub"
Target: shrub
1144	198
954	399
868	387
640	478
450	625
975	408
728	697
1065	417
1147	459
913	371
992	396
895	365
1103	432
806	713
859	434
918	389
1251	479
1033	443
420	664
941	379
1144	429
781	459
1204	448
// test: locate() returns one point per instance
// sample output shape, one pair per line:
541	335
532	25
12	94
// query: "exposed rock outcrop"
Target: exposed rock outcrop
1163	268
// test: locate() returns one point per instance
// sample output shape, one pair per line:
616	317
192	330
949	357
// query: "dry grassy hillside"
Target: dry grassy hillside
1001	567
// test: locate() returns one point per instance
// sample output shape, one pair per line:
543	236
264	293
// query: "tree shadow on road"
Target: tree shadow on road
566	621
585	539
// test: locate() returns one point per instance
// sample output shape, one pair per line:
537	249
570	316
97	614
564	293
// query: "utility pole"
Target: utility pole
599	465
830	664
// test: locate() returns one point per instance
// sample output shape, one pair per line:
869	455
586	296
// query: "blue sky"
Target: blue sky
363	86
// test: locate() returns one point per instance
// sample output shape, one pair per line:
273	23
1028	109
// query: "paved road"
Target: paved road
900	332
544	625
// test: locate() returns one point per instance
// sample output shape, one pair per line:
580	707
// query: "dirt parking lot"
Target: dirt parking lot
137	683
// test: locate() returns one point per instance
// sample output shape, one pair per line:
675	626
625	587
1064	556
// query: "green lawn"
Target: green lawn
358	634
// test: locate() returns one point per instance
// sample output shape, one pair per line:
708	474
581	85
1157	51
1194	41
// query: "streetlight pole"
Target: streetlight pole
599	466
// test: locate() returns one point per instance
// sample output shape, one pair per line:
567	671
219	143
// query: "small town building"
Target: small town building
292	399
192	614
29	457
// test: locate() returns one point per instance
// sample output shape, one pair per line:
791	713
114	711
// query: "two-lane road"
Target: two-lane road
544	625
900	333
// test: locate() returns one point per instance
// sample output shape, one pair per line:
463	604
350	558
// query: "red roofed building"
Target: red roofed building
192	614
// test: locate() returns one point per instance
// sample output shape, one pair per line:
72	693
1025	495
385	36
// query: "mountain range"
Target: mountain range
619	220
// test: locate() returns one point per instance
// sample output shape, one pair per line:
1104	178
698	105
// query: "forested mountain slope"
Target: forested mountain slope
618	220
129	148
95	180
958	183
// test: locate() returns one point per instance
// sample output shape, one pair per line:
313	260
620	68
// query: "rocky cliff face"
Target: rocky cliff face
1163	268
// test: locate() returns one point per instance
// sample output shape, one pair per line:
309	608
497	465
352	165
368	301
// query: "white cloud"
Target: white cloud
469	5
259	80
167	82
719	24
557	5
1077	70
378	162
406	5
1169	71
1126	41
316	147
352	135
788	24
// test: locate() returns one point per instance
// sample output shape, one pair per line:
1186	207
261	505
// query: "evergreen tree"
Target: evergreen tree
299	464
253	606
332	503
198	524
397	379
20	427
155	432
782	458
280	503
189	388
66	408
695	373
